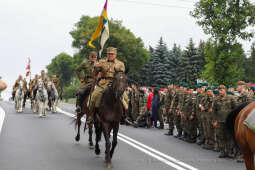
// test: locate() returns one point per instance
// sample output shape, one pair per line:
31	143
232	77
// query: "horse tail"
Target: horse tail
231	118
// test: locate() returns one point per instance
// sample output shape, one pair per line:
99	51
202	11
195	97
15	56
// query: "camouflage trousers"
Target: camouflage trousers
224	138
208	129
200	120
170	120
177	122
134	111
191	128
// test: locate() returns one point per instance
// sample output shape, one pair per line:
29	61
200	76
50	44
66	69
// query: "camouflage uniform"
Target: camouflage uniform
200	118
142	108
177	118
181	107
57	85
135	104
208	103
84	72
107	68
170	116
161	110
189	120
222	107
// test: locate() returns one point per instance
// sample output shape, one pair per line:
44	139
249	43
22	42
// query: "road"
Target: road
28	142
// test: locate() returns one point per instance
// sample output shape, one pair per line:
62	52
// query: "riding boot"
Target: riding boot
91	114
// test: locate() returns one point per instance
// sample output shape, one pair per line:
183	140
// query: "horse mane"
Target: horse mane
231	118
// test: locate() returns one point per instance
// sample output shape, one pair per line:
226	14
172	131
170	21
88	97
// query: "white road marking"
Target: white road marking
170	161
2	116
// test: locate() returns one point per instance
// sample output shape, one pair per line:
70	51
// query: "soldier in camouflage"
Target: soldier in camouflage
223	105
142	108
84	73
134	102
169	111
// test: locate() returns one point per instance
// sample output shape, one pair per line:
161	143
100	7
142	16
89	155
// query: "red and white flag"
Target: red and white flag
28	67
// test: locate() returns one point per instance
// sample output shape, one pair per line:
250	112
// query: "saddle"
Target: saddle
250	121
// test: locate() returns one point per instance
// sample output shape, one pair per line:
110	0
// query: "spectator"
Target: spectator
155	106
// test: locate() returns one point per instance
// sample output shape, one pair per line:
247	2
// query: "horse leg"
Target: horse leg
115	138
91	145
77	138
98	129
106	130
249	160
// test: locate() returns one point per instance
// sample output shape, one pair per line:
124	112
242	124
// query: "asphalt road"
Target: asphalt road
28	142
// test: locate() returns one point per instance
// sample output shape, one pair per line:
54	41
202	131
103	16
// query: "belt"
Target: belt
107	78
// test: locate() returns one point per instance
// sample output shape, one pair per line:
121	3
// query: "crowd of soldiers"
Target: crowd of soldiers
28	88
198	114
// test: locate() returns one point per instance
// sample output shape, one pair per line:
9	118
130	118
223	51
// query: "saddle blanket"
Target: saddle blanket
250	121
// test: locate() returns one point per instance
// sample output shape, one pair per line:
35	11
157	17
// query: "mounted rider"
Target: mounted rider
106	69
84	72
56	82
16	85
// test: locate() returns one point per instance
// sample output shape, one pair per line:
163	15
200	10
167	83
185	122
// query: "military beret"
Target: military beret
215	87
204	84
222	87
157	88
215	92
230	93
141	91
241	83
252	88
208	88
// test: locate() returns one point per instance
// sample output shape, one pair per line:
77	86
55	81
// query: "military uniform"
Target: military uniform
207	104
107	68
181	107
177	118
222	107
170	116
200	118
84	72
142	108
135	104
57	85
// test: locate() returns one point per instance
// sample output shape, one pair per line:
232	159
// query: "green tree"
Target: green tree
226	21
175	64
131	49
249	65
62	66
160	65
190	64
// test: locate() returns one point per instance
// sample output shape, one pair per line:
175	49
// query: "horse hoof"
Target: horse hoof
97	151
108	165
77	138
91	147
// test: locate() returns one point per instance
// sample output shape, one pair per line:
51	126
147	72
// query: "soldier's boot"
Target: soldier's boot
179	134
184	136
223	154
239	157
200	140
161	126
191	139
169	133
216	147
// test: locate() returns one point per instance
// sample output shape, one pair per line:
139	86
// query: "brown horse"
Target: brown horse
108	116
243	135
78	123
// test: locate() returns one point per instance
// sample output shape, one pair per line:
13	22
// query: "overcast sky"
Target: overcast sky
40	28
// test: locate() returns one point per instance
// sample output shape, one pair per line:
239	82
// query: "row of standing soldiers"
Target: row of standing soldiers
200	116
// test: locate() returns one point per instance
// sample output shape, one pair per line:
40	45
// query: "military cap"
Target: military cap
241	83
111	50
199	85
230	93
215	92
93	53
222	87
215	87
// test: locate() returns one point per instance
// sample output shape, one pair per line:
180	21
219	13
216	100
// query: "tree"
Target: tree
131	49
175	64
226	21
227	73
159	65
190	64
62	66
249	65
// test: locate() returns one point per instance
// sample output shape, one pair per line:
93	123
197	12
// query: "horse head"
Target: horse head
119	83
40	85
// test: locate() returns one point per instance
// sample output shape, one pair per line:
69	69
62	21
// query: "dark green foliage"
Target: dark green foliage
62	65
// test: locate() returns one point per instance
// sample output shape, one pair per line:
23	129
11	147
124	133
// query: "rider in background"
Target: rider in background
56	82
84	73
16	85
